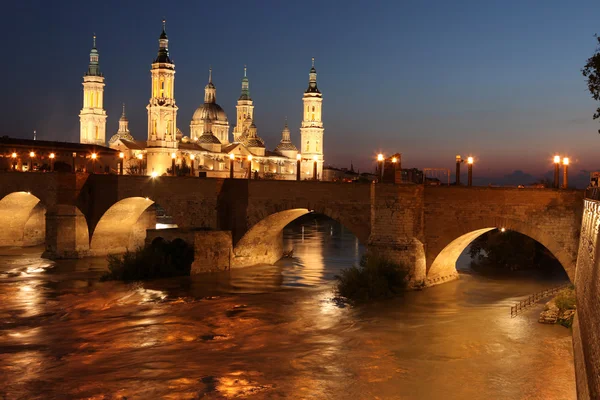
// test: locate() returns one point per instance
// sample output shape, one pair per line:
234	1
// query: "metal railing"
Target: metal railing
534	298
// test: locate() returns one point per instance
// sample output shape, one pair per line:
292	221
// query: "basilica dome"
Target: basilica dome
212	111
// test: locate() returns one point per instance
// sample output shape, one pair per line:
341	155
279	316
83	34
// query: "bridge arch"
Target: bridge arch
263	242
22	219
443	255
123	226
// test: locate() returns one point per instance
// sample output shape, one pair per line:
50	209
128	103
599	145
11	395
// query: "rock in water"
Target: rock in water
550	313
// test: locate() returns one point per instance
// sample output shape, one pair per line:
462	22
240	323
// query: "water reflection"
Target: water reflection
269	332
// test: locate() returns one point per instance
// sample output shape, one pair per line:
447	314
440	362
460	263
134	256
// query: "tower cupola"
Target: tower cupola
163	46
312	79
210	92
94	66
245	87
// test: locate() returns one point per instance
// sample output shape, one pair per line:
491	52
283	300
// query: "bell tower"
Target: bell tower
311	130
162	111
244	108
92	117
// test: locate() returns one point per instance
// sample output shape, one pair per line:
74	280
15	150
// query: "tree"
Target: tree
591	71
180	170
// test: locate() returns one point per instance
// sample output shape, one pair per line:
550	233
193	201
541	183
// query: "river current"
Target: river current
271	332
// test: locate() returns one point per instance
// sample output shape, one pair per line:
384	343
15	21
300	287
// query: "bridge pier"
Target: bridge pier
397	226
66	233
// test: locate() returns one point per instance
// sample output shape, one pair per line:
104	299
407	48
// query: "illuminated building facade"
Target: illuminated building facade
92	117
208	150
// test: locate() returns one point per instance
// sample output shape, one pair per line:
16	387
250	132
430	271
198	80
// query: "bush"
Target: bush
374	278
566	300
160	260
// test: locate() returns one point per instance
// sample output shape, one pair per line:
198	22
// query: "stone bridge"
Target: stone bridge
425	228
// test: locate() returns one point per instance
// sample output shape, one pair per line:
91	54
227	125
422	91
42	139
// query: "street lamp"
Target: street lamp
556	164
52	155
94	156
192	157
249	166
565	172
380	162
173	155
14	157
121	160
458	161
231	160
315	159
31	157
298	159
74	158
470	176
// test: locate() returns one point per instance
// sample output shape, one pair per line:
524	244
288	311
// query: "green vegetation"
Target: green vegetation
374	278
566	301
591	71
180	169
160	260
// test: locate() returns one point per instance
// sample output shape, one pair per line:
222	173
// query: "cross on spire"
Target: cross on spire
209	74
94	40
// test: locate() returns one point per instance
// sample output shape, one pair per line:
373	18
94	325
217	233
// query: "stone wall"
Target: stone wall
586	333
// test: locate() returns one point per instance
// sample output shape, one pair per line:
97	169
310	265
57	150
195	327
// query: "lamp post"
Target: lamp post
380	164
121	161
31	157
565	172
458	161
556	164
298	159
94	156
140	157
315	159
74	157
14	157
52	155
231	160
173	155
192	157
395	164
470	176
249	166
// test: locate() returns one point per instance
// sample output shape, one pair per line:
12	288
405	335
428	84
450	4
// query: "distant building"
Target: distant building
332	174
208	148
42	155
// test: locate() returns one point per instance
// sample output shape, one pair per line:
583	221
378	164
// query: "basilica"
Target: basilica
208	150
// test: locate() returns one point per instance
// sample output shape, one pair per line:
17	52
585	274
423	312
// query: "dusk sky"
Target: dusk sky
498	80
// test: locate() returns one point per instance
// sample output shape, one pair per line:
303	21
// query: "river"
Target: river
270	332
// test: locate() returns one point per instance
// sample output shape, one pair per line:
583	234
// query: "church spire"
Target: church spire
312	79
94	66
245	87
163	46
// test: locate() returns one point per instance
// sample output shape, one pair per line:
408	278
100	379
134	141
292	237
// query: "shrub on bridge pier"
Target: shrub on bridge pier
161	259
375	278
